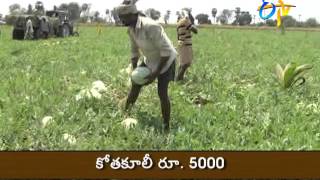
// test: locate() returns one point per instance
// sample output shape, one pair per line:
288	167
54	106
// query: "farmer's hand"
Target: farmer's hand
134	62
194	29
152	77
156	73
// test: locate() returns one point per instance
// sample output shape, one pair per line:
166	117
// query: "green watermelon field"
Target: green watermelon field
230	100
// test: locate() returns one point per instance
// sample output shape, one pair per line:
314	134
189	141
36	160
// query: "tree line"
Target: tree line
245	18
289	21
82	13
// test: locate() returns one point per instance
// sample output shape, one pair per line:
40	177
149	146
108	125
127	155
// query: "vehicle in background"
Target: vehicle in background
58	22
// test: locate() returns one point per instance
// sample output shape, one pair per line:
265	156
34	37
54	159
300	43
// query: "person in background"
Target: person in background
44	27
29	29
149	38
185	28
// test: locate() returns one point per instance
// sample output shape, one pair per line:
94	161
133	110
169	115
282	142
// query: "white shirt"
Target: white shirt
29	26
151	39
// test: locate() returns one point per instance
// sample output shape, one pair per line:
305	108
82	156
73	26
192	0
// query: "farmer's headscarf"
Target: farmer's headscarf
127	7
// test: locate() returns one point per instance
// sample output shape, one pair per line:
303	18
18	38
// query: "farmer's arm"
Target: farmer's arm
161	43
194	29
134	52
191	27
163	62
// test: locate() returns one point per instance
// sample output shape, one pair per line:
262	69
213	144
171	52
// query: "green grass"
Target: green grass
232	68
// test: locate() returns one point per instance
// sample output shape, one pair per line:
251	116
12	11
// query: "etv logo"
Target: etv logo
285	8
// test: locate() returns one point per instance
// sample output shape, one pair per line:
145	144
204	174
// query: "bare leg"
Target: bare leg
165	101
182	71
133	95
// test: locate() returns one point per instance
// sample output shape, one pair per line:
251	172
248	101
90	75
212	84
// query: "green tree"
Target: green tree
63	7
74	10
260	24
224	16
270	22
245	18
30	9
222	19
288	21
39	8
203	19
311	22
14	9
227	13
